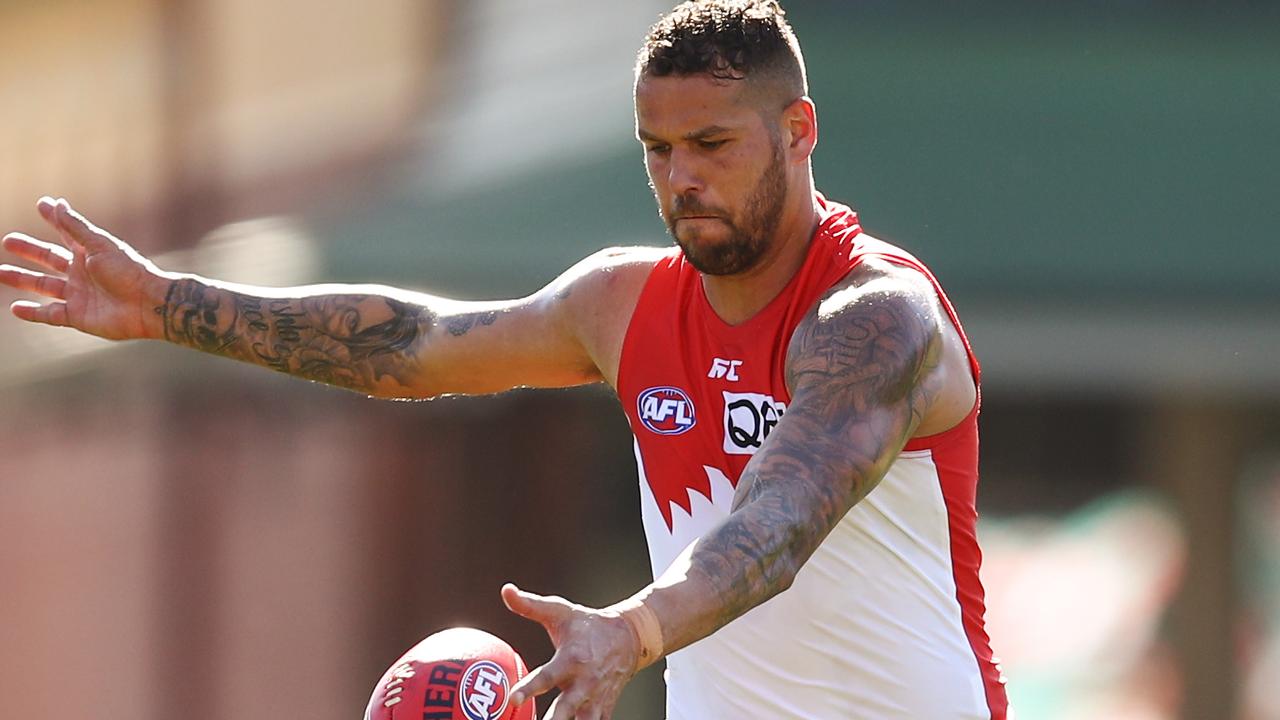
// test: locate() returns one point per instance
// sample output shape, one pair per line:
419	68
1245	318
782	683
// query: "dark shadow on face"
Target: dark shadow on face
750	232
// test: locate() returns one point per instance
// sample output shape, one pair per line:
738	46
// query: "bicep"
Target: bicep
566	334
484	347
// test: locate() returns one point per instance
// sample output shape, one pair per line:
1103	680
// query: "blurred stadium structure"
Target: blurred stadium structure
182	537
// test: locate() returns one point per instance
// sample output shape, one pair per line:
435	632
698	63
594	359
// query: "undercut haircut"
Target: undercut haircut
728	40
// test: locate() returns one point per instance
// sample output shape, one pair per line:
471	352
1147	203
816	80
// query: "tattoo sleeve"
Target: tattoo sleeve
859	380
361	341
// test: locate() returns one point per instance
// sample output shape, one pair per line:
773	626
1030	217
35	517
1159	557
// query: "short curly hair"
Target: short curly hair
727	39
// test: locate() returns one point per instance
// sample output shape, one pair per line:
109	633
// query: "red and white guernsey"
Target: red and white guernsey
885	620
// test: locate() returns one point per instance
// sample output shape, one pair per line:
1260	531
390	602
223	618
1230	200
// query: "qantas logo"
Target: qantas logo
748	420
666	410
727	369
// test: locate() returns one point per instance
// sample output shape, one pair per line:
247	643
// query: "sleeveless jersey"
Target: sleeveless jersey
885	620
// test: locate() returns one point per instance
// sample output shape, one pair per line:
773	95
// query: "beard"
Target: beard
750	236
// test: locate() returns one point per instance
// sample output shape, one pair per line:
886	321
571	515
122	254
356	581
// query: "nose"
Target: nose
682	174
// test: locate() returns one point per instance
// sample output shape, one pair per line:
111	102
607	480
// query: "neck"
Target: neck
737	298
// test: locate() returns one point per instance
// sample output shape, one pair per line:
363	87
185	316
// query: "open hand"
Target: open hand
96	283
596	655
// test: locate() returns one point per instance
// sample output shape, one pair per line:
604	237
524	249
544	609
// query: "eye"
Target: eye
711	144
658	149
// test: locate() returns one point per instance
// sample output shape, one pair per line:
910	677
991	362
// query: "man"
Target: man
803	401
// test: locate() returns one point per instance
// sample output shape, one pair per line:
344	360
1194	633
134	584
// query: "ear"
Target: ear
800	128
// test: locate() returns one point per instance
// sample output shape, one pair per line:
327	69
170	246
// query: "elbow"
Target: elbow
403	392
792	557
782	575
413	381
417	392
786	577
417	395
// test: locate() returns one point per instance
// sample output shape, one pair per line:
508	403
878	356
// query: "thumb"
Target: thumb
545	610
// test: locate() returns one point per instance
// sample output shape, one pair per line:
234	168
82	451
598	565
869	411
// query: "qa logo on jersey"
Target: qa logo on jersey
483	691
748	420
666	410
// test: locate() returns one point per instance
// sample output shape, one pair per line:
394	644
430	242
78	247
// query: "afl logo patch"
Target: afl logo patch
482	693
666	410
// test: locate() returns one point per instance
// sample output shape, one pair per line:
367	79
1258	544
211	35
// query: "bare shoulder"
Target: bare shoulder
884	331
873	277
597	296
608	271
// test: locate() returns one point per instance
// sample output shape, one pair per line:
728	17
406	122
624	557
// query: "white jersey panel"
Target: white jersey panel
705	513
871	627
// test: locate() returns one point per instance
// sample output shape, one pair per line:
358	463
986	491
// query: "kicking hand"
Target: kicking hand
597	653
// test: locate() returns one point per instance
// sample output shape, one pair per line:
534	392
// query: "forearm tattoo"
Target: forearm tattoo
361	342
461	325
860	384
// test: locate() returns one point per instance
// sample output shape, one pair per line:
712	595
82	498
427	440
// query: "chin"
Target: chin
700	249
705	238
716	248
725	259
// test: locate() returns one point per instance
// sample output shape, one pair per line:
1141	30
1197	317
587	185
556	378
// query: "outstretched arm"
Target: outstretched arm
862	375
372	339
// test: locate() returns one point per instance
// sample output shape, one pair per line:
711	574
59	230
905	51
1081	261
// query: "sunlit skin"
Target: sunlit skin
708	148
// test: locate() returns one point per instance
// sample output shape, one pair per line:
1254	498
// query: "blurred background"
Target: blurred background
1095	182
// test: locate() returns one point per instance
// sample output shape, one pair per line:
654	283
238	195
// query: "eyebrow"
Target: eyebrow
698	134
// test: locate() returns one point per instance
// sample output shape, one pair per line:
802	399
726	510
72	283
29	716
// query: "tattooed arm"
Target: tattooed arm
372	339
866	372
863	371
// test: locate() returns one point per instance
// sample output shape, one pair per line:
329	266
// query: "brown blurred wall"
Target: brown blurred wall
231	543
175	547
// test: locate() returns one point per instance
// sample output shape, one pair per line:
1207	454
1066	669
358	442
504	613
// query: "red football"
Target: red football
455	674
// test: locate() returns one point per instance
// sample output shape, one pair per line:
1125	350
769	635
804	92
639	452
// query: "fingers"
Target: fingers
54	313
536	683
74	227
92	237
52	256
573	701
588	692
30	281
45	206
